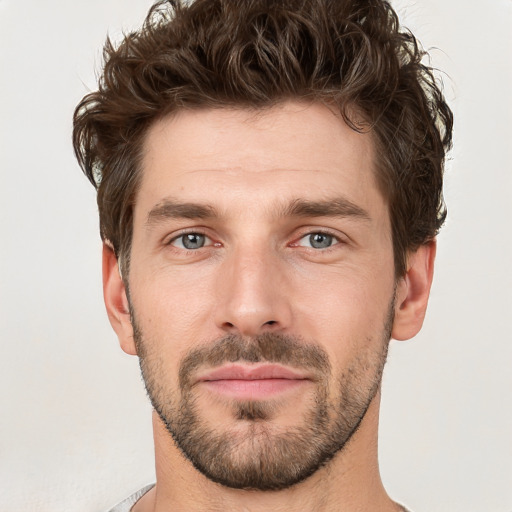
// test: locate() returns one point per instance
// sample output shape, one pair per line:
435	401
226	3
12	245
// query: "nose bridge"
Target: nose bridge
252	296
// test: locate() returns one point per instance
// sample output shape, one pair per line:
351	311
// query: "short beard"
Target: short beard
262	456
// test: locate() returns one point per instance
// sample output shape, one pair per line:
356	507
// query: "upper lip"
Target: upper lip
251	372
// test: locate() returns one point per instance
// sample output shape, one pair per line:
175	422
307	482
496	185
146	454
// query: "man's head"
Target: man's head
255	54
271	173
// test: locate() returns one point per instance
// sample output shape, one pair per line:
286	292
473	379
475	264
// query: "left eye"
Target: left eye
191	241
318	240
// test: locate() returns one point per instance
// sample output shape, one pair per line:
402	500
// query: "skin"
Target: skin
259	273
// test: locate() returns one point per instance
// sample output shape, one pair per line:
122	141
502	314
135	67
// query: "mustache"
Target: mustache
266	347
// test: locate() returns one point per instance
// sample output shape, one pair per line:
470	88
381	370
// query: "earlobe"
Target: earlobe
116	301
413	291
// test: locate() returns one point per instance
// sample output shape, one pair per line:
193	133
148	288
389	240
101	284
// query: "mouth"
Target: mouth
252	382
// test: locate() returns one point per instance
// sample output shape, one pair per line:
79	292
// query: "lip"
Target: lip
252	382
251	372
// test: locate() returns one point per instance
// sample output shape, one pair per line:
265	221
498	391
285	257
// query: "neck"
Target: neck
349	482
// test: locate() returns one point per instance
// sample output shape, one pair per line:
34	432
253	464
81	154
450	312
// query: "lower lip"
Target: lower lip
257	389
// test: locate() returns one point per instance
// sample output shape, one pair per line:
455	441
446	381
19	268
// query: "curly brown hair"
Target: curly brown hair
351	54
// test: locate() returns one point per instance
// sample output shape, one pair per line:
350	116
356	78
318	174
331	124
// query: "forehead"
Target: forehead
288	151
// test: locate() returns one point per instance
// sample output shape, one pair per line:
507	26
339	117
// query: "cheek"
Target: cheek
344	309
172	309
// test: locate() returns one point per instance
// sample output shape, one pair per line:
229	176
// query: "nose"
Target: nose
252	294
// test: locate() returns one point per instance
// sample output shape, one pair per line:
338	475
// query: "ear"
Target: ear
413	291
116	301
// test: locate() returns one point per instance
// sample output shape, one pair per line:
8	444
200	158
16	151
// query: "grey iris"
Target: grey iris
320	240
193	241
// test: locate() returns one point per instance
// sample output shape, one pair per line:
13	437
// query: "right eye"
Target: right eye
191	241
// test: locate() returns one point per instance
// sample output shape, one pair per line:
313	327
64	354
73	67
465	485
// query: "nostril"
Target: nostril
250	328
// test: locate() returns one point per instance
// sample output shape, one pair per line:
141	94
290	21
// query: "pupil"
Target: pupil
320	241
193	241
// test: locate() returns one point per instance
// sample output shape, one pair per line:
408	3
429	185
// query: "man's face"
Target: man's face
261	288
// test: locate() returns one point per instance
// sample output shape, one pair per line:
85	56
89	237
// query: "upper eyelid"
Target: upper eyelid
322	231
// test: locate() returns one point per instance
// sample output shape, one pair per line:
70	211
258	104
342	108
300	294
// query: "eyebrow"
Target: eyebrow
172	209
337	207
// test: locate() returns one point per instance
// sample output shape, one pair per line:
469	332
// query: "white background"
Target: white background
75	431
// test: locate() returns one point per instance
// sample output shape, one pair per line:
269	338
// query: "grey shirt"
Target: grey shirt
127	504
